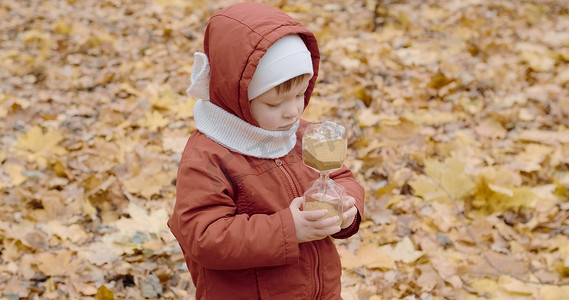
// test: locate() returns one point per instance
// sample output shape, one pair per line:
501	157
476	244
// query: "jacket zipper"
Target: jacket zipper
258	286
316	269
295	193
288	177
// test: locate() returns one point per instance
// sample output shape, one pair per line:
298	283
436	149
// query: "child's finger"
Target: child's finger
314	215
349	202
349	217
350	213
326	222
296	203
323	197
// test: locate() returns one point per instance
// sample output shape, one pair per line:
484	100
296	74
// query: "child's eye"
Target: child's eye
273	105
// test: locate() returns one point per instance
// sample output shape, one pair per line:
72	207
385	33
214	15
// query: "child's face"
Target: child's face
274	111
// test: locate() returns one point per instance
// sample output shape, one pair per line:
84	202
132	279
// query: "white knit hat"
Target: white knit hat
285	59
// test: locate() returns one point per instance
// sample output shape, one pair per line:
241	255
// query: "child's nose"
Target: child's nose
291	110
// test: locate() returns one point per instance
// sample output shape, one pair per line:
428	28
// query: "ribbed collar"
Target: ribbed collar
239	136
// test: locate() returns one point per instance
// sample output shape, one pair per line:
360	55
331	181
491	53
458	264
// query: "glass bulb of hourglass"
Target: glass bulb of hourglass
324	147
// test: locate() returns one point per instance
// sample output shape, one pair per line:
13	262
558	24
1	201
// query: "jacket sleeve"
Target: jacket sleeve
210	232
345	177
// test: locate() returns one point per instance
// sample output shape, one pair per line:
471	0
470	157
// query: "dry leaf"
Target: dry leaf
404	251
40	145
94	118
367	255
55	264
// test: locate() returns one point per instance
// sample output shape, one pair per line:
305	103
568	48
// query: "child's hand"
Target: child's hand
311	225
350	212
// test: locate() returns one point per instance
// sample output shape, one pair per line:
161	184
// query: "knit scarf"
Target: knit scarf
229	130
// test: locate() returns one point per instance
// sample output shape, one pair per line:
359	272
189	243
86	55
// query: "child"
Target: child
238	214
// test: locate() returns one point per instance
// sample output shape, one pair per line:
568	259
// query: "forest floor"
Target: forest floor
458	118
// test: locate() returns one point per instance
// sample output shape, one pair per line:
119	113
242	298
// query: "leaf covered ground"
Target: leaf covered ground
458	114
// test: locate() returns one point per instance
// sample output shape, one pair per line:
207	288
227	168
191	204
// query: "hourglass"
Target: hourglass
324	147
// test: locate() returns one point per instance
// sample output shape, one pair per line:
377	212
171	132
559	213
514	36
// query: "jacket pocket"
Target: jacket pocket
288	282
230	284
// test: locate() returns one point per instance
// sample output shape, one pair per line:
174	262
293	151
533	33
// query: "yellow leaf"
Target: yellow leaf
40	144
545	136
316	109
404	251
531	159
164	98
451	176
427	189
439	80
296	8
500	189
521	197
148	184
103	293
515	286
359	92
163	102
35	141
140	224
88	208
550	292
425	117
73	232
186	108
485	286
367	255
154	120
538	61
368	118
500	177
38	38
15	173
63	27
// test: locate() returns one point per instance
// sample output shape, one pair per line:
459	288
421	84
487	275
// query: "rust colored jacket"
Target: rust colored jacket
232	217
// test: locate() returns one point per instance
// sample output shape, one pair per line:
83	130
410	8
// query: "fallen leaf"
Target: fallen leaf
404	251
154	120
516	287
55	264
429	278
15	173
367	255
98	254
103	293
40	145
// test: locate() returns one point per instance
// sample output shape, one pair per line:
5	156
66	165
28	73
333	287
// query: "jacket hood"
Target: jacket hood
235	39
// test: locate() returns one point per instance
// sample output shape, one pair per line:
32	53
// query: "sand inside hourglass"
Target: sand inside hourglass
324	155
316	205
